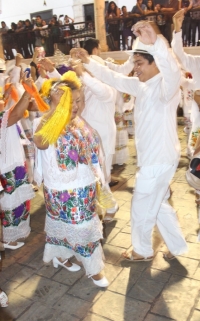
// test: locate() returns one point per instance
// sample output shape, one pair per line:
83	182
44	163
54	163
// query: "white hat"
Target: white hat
2	64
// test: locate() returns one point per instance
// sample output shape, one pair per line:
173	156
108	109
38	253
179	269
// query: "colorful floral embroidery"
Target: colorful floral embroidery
85	251
78	144
72	206
12	180
194	137
16	216
126	98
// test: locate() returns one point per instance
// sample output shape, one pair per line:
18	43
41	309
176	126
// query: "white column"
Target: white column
100	27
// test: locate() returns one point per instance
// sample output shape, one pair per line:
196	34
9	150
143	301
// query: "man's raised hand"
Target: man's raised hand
178	20
145	31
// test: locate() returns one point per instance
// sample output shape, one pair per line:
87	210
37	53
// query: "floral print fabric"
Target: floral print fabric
72	207
14	179
85	251
11	182
16	216
78	144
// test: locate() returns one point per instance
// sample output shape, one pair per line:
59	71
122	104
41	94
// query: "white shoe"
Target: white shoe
3	300
103	283
73	268
13	247
112	210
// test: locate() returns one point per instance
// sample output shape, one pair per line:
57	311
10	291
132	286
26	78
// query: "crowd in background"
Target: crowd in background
156	12
26	35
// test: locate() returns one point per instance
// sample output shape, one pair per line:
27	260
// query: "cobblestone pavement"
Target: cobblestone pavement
145	291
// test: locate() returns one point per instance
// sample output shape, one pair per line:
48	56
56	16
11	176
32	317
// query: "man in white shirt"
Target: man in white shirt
156	89
189	62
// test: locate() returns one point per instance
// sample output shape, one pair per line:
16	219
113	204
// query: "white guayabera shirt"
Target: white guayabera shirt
155	105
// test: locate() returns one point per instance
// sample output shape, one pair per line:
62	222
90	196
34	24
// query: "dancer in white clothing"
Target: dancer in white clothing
157	96
192	64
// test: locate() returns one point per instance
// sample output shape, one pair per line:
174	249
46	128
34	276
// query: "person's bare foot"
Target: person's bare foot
135	257
168	256
68	263
97	277
13	243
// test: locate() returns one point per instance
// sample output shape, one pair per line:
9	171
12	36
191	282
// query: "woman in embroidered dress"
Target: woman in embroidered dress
15	199
68	163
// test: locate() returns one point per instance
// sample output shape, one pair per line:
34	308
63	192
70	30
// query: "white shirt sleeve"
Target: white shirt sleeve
124	69
15	75
39	82
54	74
102	91
120	82
189	62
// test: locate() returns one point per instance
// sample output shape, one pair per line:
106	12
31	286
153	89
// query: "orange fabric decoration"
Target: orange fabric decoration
34	93
13	93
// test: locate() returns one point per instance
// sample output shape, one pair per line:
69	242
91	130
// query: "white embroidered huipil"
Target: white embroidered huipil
155	106
157	147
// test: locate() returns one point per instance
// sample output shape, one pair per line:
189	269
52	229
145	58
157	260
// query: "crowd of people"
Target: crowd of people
161	14
26	35
65	126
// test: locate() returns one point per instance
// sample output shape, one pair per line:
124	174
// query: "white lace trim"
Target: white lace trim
47	168
54	174
13	233
19	196
93	264
83	233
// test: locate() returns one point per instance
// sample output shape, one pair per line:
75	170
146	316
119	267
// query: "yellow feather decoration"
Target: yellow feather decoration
46	87
54	126
52	129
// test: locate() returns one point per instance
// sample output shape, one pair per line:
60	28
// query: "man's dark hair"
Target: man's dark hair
146	56
90	44
39	17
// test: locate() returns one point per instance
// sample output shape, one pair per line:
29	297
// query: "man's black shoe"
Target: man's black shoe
113	183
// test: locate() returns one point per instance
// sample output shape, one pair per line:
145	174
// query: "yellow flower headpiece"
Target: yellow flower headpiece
54	126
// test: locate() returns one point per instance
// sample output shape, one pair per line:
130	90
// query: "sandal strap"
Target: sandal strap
65	261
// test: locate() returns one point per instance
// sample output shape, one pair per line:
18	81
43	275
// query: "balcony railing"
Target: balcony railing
73	35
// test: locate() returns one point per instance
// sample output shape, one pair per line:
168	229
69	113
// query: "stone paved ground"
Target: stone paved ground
151	291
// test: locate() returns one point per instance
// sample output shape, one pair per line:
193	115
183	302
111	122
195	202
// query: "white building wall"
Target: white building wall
15	10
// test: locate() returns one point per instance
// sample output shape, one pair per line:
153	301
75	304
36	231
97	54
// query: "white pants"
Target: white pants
150	207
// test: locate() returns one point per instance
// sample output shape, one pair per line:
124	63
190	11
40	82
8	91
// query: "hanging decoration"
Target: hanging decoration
44	4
